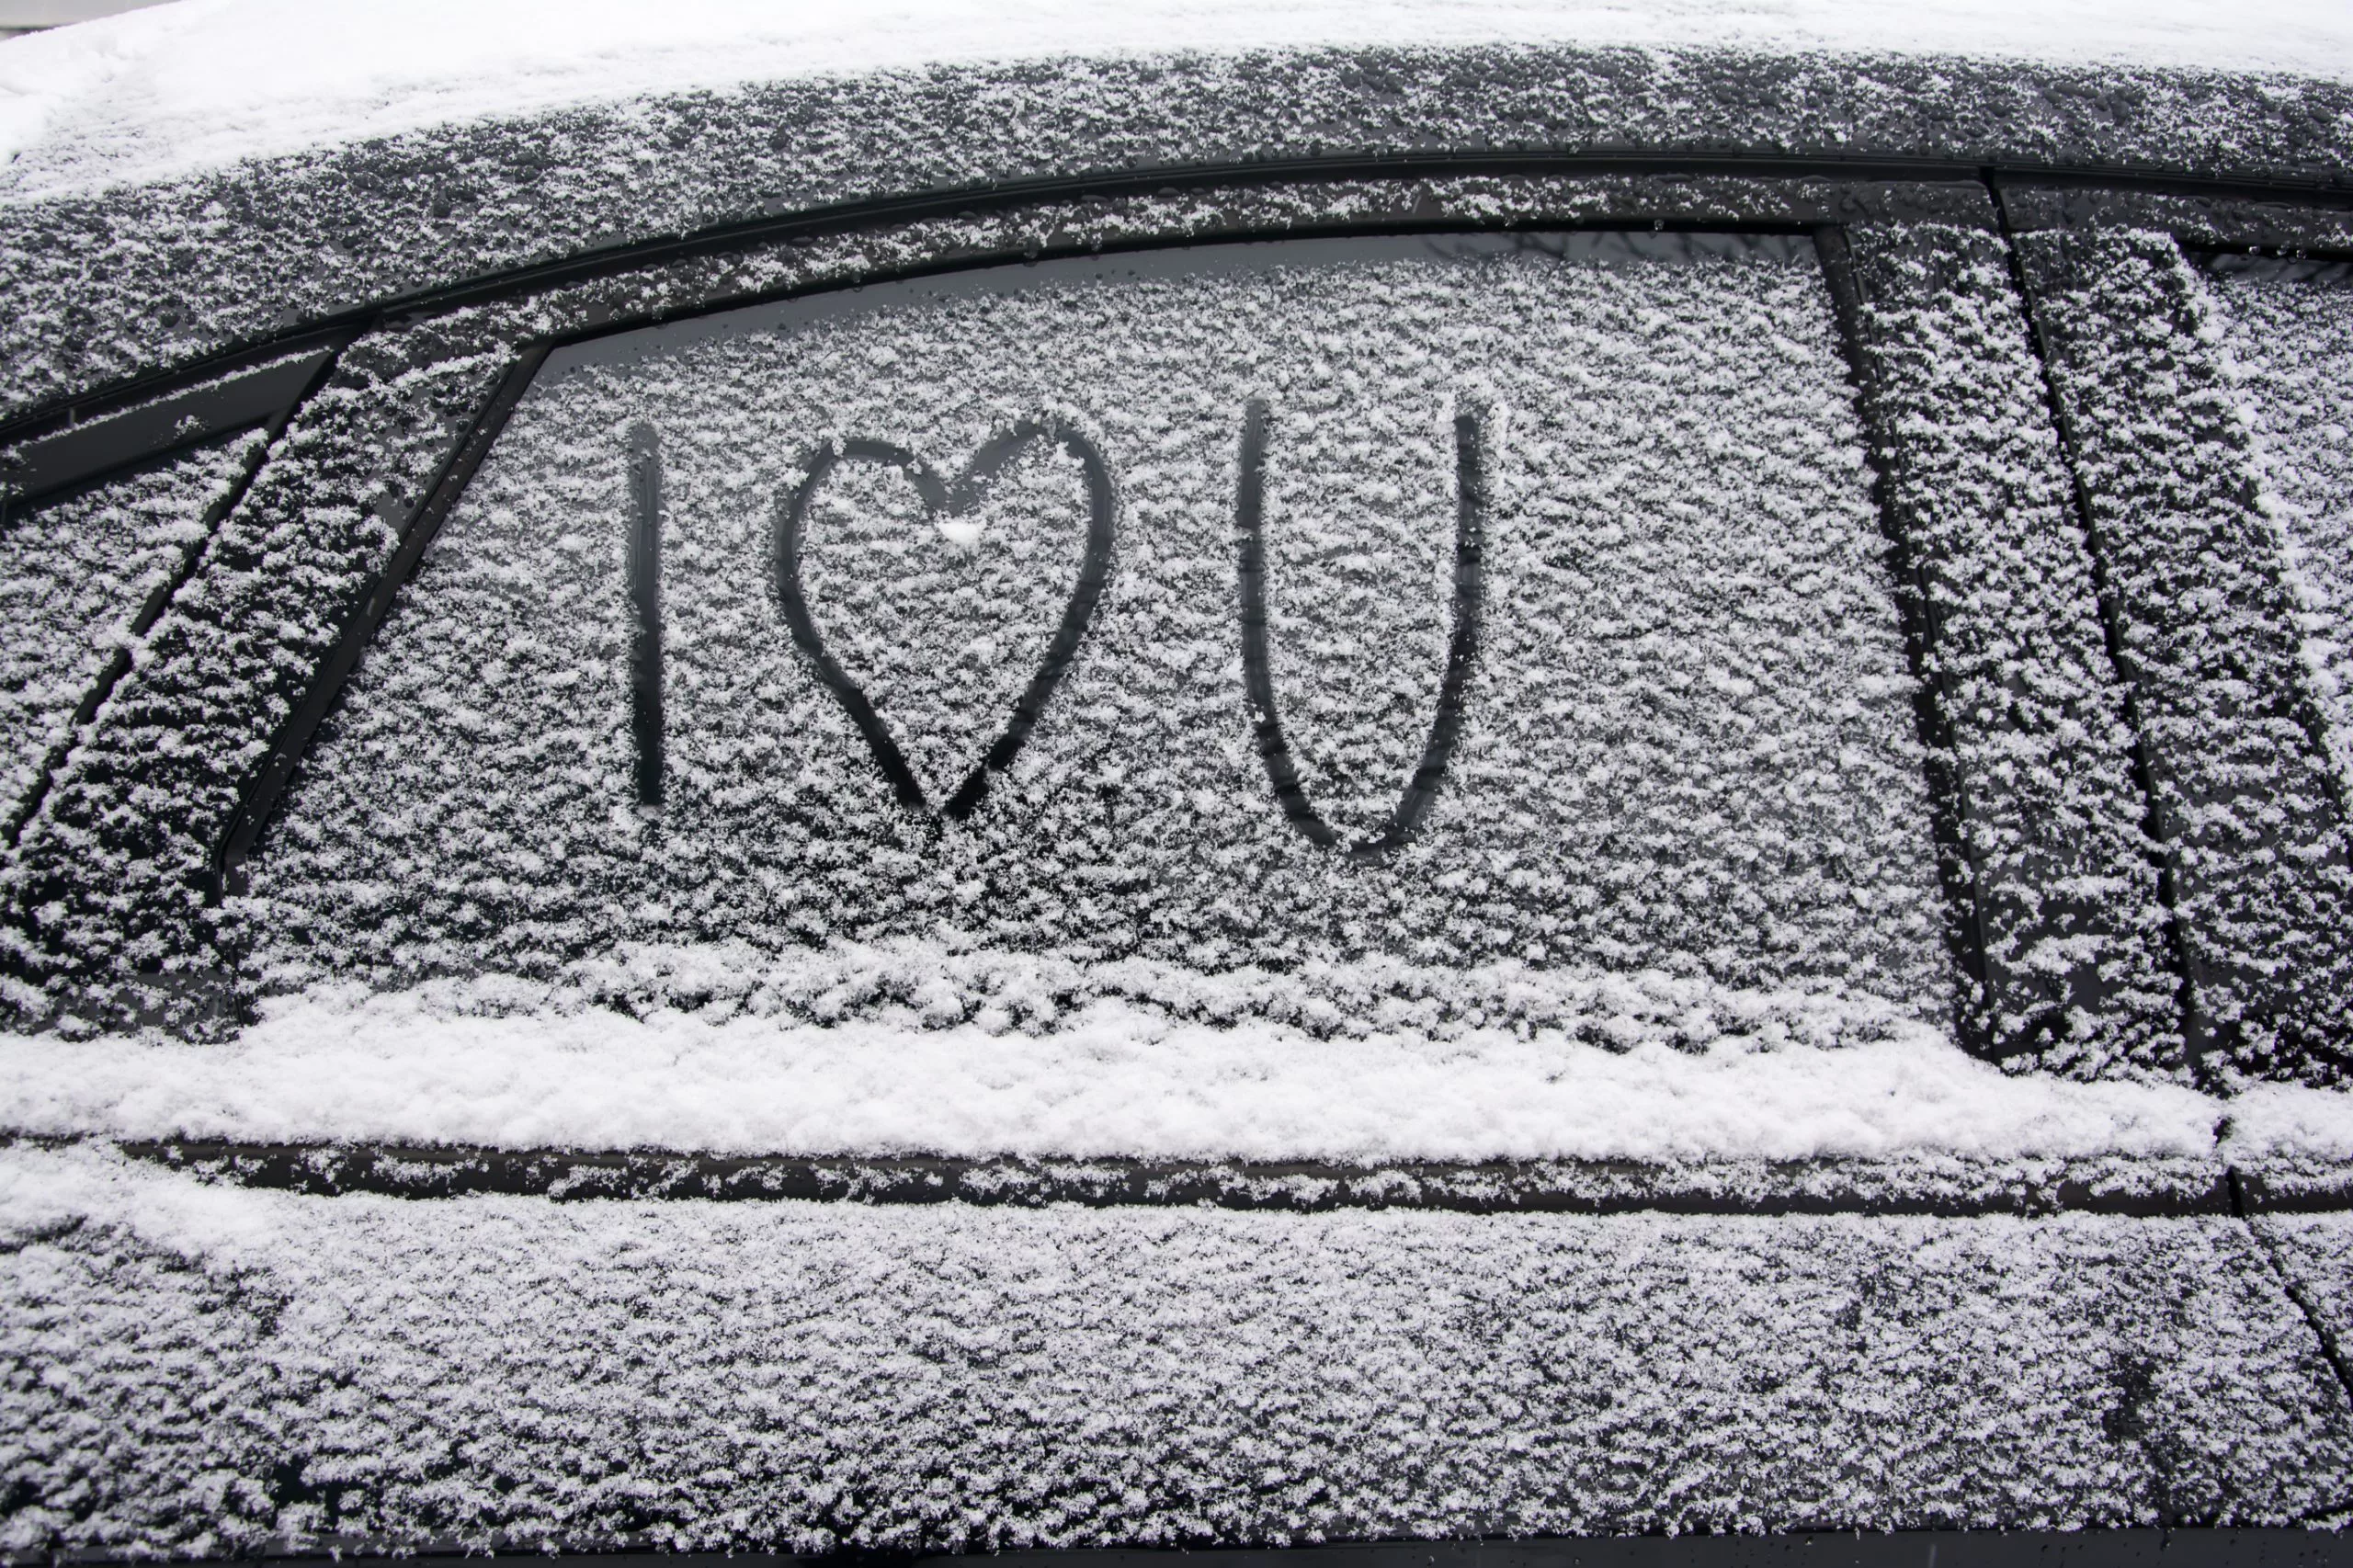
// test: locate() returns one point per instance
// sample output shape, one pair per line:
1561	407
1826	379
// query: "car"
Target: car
1407	780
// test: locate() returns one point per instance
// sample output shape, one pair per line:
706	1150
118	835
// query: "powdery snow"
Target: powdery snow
2317	1252
74	576
1114	1077
2250	813
204	83
2285	1122
100	880
2060	891
212	1370
2288	330
203	1369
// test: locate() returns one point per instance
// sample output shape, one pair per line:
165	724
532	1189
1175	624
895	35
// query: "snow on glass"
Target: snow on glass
2289	328
1686	744
74	575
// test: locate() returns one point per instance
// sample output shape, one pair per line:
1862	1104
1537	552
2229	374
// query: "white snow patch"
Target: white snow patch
204	83
2288	1121
1115	1079
43	1188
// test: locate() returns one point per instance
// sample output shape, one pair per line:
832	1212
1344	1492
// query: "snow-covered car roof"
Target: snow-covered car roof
1197	775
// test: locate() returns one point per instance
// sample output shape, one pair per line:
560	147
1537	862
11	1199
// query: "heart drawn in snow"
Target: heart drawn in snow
924	627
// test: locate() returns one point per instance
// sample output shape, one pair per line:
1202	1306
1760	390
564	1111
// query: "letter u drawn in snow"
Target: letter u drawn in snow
1282	770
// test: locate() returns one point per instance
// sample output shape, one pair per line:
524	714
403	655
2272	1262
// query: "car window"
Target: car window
1612	484
2289	327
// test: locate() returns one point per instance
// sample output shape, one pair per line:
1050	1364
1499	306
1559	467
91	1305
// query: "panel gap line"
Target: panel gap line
2332	1350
